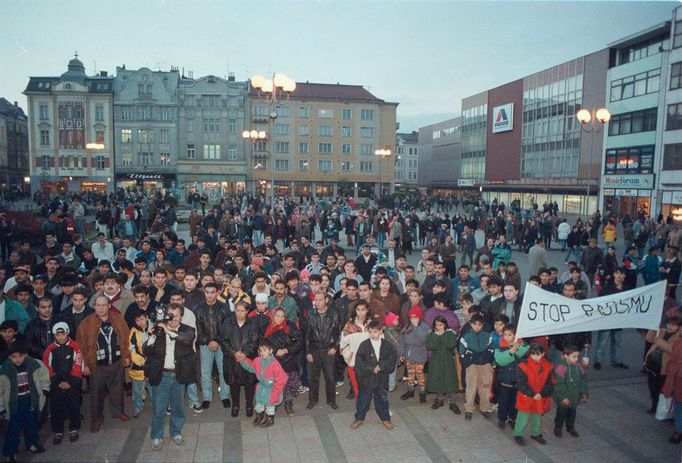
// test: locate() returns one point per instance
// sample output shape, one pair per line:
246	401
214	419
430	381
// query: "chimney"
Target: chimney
16	104
103	73
230	77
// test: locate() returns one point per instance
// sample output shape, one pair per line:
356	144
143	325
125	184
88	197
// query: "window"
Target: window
144	113
367	114
189	101
211	151
324	165
211	101
347	148
43	112
366	166
412	175
232	125
190	125
99	113
126	135
100	163
634	160
45	162
126	113
45	137
304	165
672	157
675	76
144	159
281	164
145	136
260	111
165	114
674	117
366	149
367	132
324	148
191	151
164	135
164	159
634	122
637	85
281	129
127	157
325	131
398	174
99	137
303	130
211	124
303	112
282	147
346	132
232	152
262	164
282	111
677	39
412	163
347	114
346	166
260	146
325	114
303	148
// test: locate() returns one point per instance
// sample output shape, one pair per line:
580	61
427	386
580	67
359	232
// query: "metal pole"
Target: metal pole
589	172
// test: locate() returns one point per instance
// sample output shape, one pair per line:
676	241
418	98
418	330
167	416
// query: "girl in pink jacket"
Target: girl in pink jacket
271	381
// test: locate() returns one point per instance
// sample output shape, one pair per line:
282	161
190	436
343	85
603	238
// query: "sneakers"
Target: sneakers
197	408
157	444
73	436
178	440
303	389
58	438
37	448
136	412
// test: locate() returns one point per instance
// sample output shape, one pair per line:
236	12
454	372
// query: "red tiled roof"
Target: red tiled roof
306	90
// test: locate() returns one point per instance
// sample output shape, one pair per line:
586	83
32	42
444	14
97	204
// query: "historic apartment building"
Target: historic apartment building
146	129
71	131
323	141
407	160
13	147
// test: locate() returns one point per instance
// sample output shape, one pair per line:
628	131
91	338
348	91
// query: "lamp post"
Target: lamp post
254	136
383	153
592	122
272	92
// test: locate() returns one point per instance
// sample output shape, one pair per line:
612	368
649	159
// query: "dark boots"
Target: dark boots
259	419
408	395
422	397
268	421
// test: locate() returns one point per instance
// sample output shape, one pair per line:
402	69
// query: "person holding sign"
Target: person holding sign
617	285
534	381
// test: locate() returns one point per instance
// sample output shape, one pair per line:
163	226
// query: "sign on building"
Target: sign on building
503	118
628	181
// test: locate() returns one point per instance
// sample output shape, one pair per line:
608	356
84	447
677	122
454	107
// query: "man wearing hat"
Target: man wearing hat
22	274
68	286
65	365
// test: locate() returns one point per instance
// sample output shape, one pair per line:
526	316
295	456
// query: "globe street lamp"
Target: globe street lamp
592	122
273	91
383	153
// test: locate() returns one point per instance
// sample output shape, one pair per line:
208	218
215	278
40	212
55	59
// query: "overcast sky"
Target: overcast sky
424	55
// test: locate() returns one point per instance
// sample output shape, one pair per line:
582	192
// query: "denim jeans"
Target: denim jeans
602	337
380	404
25	419
506	403
168	392
678	416
391	381
577	250
192	394
138	388
207	359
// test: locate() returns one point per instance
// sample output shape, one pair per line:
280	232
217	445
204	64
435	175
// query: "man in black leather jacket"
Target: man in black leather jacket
38	332
322	342
210	315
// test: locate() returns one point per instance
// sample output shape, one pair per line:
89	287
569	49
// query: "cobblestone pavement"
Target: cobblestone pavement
613	427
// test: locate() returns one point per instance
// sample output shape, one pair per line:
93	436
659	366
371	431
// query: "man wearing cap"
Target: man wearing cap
22	274
103	339
63	299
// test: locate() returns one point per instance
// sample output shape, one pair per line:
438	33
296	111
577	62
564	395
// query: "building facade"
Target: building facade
407	160
440	156
211	117
521	140
71	131
323	141
13	147
146	129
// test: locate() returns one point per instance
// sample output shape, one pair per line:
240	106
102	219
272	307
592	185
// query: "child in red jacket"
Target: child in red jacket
533	399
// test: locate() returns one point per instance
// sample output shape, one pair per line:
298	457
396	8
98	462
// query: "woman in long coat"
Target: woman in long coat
441	378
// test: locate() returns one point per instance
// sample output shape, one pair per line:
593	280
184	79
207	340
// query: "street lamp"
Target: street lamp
273	91
592	122
254	136
383	153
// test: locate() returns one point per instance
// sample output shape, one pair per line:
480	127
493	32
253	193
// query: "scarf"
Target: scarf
274	327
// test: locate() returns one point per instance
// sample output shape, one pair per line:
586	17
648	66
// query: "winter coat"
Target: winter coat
534	378
64	362
38	380
184	356
38	336
235	338
209	321
137	339
501	253
413	343
88	332
450	317
506	362
366	360
291	341
673	380
475	348
271	379
570	382
15	311
352	336
563	230
442	375
323	332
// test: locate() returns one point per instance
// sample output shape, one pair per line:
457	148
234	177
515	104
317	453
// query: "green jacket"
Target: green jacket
442	375
571	382
15	311
39	382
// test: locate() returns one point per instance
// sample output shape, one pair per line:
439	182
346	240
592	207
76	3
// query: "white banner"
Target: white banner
544	313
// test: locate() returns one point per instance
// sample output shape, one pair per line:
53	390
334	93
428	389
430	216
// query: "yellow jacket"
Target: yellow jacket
136	338
609	233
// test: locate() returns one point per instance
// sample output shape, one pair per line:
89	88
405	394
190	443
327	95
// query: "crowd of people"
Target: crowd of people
266	298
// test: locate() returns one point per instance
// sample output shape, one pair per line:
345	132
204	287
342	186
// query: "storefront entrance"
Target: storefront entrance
632	205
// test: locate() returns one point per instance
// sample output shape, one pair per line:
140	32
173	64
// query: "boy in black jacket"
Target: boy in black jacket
375	360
